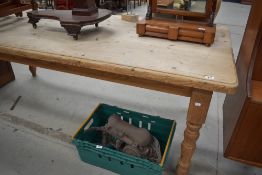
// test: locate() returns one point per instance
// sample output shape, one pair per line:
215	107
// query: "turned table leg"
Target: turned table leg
6	73
32	70
196	116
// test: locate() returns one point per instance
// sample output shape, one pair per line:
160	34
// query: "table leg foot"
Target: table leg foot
72	30
32	70
19	14
197	112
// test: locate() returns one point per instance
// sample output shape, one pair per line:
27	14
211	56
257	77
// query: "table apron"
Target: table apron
102	75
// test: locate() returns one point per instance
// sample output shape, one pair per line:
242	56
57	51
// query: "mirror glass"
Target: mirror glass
184	5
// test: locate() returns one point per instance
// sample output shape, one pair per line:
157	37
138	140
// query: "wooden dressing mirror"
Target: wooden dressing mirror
187	7
198	6
188	20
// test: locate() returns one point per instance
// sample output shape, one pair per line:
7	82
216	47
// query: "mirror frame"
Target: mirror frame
211	9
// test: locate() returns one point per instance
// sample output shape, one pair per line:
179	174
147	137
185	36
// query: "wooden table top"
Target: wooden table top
116	48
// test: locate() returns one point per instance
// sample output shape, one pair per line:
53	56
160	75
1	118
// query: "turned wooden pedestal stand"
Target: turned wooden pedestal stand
84	13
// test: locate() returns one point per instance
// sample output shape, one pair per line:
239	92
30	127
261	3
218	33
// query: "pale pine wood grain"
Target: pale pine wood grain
114	52
196	116
116	48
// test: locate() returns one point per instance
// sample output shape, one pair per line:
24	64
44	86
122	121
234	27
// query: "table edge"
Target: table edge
18	55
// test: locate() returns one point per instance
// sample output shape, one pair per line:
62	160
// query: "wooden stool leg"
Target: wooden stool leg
32	70
196	116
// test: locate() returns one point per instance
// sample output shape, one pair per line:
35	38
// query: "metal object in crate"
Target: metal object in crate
116	161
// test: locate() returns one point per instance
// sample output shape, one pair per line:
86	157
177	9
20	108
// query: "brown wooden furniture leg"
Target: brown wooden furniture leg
72	29
32	70
19	14
196	116
6	73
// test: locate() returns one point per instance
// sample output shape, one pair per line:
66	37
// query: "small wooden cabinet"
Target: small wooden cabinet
6	73
243	111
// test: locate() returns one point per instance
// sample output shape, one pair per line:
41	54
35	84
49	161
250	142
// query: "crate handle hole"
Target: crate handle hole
99	155
140	124
122	163
109	159
132	166
149	126
130	121
89	124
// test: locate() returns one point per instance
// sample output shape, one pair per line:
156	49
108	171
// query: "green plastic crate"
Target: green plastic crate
116	161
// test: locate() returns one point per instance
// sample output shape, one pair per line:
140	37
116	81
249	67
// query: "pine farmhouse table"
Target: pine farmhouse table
114	52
